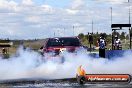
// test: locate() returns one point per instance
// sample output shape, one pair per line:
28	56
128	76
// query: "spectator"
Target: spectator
102	45
117	43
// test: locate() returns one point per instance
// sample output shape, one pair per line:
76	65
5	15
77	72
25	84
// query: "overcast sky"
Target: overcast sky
29	19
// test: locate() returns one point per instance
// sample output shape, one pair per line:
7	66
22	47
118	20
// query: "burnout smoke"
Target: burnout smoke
30	64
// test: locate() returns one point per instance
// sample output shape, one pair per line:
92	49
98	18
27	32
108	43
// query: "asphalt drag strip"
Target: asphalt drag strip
58	83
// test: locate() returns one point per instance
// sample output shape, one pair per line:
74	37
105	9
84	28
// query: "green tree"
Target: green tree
122	36
127	36
81	35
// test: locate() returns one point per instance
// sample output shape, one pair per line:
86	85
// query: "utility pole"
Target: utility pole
129	23
92	26
129	14
58	32
73	30
111	14
54	33
64	32
111	24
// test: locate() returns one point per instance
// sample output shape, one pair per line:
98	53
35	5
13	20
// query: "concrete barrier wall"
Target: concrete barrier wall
115	53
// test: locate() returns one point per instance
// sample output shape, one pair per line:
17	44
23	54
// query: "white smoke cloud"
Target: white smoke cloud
29	64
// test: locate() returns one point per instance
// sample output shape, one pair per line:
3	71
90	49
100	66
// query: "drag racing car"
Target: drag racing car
55	46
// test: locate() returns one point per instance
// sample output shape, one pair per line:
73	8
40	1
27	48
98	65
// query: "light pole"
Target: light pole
54	33
129	23
92	26
129	13
111	24
64	31
111	15
73	30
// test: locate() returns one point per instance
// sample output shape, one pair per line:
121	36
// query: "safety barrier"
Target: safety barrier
115	53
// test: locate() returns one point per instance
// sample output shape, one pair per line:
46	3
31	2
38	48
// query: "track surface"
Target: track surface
60	83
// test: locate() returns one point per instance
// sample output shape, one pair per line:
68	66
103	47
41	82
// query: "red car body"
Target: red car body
58	44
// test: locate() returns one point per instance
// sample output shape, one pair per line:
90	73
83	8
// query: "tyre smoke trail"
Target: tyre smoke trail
30	64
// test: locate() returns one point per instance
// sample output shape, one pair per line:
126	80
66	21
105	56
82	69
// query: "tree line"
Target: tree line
85	37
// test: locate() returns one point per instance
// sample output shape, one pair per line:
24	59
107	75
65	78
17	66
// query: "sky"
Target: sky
31	19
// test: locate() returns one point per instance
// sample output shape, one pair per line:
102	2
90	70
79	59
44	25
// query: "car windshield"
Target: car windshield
64	42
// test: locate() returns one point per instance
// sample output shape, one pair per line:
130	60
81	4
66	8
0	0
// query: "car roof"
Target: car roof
63	37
